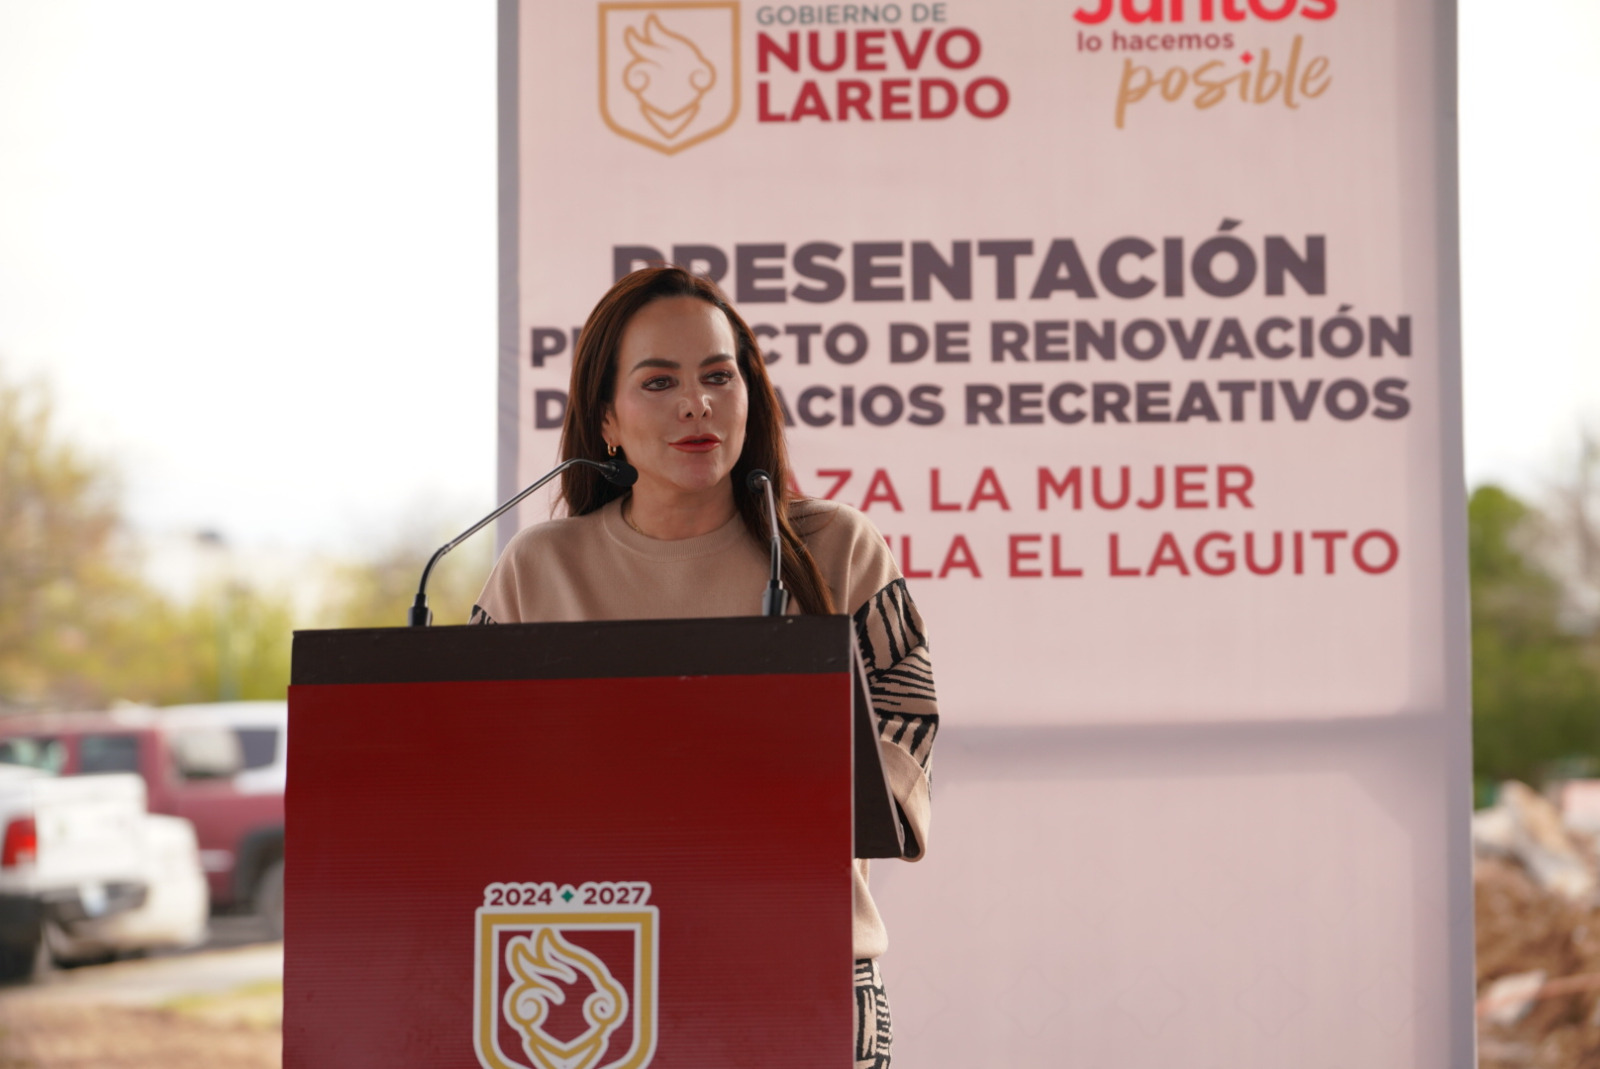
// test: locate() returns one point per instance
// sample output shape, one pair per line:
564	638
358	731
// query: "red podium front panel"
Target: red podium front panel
570	873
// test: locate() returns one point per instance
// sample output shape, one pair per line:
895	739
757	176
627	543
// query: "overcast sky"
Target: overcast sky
220	223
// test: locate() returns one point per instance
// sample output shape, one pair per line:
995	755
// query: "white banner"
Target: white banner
1132	324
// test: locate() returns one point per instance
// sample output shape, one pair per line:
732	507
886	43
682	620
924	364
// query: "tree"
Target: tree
1535	690
78	627
58	558
379	592
1569	536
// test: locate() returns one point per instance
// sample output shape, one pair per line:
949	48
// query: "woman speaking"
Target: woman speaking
669	377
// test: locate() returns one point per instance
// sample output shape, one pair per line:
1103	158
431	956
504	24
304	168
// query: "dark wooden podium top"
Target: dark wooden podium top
740	645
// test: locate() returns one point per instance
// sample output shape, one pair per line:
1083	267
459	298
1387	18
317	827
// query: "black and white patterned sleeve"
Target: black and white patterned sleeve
894	649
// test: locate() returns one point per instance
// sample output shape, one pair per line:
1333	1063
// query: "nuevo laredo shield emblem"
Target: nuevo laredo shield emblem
565	976
669	72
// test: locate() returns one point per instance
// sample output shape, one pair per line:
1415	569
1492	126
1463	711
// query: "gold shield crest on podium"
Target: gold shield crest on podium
564	981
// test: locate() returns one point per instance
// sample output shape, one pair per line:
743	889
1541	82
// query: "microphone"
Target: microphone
616	471
619	472
775	599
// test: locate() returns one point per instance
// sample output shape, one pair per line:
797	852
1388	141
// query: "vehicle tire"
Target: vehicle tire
20	962
269	898
79	961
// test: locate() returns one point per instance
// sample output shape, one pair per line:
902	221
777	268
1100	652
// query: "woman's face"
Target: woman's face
679	403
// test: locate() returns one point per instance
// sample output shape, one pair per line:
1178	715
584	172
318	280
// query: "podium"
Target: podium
602	845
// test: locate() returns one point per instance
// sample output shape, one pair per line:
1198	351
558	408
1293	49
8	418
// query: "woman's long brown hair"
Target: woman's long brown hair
593	389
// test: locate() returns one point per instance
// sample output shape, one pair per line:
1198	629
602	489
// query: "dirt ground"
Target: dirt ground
114	1037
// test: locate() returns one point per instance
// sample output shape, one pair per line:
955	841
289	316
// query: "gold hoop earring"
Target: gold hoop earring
611	450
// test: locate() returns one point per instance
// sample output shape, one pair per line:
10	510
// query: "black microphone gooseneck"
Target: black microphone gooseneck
775	600
616	471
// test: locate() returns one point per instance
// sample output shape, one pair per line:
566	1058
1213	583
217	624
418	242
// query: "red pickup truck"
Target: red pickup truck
193	765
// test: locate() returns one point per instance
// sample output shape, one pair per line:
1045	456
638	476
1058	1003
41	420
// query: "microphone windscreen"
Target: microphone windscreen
754	480
620	473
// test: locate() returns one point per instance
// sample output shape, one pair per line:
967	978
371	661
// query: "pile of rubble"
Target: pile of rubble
1537	876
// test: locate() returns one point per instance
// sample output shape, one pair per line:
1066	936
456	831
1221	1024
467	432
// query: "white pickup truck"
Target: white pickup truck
87	873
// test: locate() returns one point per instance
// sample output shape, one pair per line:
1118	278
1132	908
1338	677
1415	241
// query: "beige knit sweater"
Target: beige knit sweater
596	567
